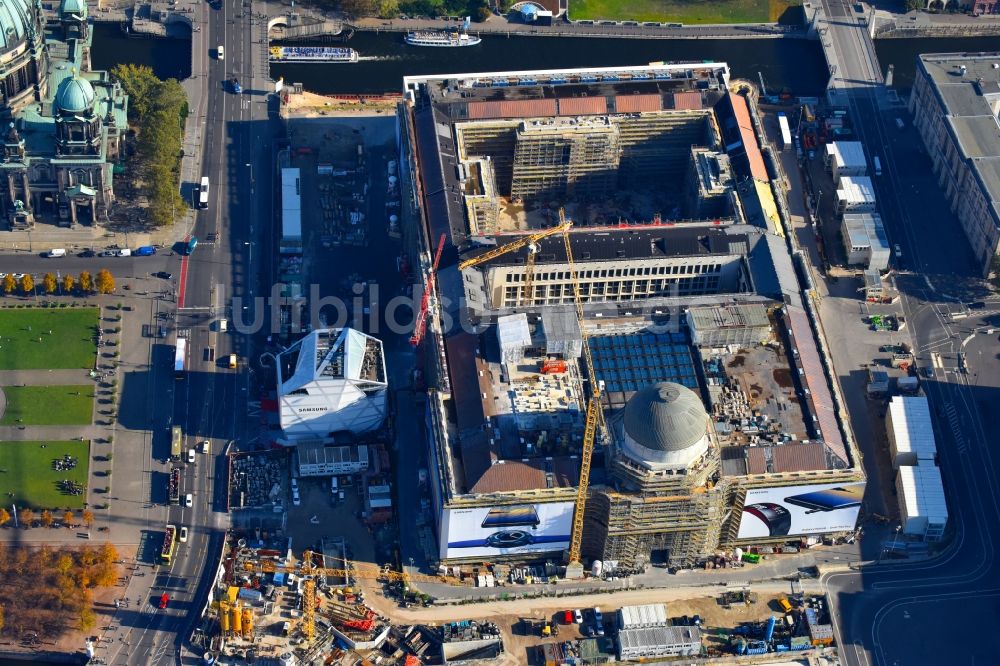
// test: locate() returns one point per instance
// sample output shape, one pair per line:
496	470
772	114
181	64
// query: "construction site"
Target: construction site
641	382
269	604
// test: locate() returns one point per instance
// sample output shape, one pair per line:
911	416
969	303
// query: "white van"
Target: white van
223	326
878	165
124	252
57	252
221	53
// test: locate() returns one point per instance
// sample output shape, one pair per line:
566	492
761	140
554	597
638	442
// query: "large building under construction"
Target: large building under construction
672	278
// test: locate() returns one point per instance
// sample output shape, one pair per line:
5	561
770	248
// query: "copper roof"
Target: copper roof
814	377
512	108
512	475
750	145
756	460
807	457
508	476
583	106
687	101
638	103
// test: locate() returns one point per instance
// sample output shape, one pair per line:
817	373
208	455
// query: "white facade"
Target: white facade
911	435
865	240
923	510
855	194
659	642
846	158
332	380
955	101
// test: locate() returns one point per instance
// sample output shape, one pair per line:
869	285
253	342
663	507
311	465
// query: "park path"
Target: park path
45	377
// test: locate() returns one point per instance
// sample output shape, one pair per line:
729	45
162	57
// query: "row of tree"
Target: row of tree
50	590
477	9
102	283
26	518
157	110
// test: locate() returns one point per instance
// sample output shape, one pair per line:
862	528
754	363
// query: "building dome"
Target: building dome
75	95
78	7
15	23
665	424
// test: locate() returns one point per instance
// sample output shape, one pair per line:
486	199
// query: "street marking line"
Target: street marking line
182	282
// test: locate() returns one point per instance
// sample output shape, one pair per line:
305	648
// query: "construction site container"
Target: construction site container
247	623
769	631
224	616
236	617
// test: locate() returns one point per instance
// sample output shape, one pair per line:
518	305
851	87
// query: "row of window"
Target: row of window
685	269
614	291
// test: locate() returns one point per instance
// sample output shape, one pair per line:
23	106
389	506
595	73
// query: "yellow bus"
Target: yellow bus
176	442
169	545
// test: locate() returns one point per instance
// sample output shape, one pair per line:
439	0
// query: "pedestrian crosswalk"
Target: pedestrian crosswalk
956	426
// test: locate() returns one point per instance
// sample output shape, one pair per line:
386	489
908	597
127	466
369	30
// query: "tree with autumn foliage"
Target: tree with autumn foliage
27	284
4	517
49	283
87	517
68	518
68	282
46	518
86	282
25	516
104	281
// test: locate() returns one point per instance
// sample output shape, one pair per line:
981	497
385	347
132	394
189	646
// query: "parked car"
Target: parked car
86	254
577	616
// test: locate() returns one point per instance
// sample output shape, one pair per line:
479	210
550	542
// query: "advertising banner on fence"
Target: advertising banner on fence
800	510
500	530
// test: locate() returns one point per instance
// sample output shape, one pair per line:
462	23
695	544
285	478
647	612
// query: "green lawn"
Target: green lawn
26	470
48	405
689	12
69	345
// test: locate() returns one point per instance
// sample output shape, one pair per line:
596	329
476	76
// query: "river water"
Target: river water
793	64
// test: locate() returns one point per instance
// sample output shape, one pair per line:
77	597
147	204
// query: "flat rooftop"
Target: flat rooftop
590	244
441	102
519	429
968	86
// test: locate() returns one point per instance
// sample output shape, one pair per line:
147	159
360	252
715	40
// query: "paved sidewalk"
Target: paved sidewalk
45	377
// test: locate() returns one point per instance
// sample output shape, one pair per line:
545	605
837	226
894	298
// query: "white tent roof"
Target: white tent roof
847	154
923	493
911	426
856	189
648	615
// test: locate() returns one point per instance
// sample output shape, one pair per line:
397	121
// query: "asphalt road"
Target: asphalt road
889	613
211	401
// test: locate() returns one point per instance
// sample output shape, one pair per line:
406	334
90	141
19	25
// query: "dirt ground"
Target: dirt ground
506	614
311	105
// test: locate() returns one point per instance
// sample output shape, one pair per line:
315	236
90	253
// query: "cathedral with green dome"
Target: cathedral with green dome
63	123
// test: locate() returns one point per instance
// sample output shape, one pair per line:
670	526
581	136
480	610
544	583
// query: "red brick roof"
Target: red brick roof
583	106
638	103
512	108
687	101
750	145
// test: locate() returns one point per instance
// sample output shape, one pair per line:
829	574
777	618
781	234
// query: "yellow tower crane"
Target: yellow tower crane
594	416
529	241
